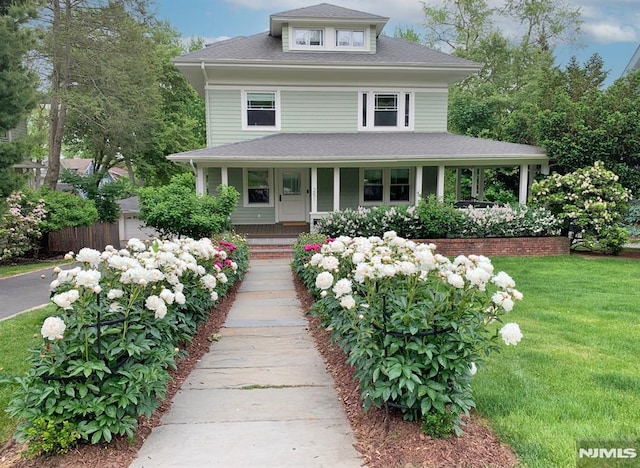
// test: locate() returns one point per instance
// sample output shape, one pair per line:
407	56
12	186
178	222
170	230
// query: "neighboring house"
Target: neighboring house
129	224
323	113
84	167
634	63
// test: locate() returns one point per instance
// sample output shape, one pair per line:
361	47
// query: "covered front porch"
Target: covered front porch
286	178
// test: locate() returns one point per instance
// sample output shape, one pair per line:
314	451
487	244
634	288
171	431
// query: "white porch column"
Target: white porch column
440	183
481	183
544	168
314	189
224	175
474	182
524	183
336	189
418	184
201	188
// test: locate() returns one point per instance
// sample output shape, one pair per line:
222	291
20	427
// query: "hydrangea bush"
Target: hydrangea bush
20	225
590	202
120	320
433	219
415	325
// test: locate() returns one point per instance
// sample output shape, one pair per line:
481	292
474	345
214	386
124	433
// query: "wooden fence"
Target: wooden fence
96	236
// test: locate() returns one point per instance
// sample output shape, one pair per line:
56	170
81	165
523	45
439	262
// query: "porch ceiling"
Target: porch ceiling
325	149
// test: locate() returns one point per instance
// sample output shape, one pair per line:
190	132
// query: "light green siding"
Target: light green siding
431	112
429	181
319	111
213	179
372	39
285	37
225	118
349	188
251	214
325	189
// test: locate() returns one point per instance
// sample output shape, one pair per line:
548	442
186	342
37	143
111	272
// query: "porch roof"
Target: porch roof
325	149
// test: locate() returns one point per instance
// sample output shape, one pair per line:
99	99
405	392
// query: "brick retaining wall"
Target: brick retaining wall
493	246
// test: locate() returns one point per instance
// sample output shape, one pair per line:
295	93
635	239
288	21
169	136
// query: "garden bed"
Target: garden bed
496	246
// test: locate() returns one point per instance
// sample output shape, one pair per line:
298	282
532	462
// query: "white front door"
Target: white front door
293	194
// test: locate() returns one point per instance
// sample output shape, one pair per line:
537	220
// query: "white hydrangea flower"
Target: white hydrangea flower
136	245
214	296
179	298
358	258
511	334
324	280
209	282
330	263
88	255
408	268
316	259
53	328
222	277
115	307
55	284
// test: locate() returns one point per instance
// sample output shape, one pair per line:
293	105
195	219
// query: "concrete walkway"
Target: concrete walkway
261	397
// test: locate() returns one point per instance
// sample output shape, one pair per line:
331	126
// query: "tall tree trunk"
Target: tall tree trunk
61	64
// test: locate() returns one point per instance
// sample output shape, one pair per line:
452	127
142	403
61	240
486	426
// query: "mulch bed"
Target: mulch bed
382	442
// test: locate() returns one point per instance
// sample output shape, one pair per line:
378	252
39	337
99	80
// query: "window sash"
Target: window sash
309	37
261	109
349	38
373	185
400	185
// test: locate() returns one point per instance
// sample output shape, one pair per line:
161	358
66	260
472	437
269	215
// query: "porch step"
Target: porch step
271	248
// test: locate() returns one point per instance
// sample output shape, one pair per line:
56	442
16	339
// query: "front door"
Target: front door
293	196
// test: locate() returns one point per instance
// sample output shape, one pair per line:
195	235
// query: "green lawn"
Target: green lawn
17	269
576	373
16	337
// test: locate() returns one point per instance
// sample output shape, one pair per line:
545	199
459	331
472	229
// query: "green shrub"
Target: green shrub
590	202
434	219
66	210
121	318
438	425
104	195
176	210
414	324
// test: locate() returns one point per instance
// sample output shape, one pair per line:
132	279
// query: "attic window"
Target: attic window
348	38
308	37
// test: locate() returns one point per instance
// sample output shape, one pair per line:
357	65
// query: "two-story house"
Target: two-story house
323	113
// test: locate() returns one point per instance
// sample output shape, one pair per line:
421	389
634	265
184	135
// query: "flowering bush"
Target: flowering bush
120	320
508	221
590	202
433	219
20	225
414	324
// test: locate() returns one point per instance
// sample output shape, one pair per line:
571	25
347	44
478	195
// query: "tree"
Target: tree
17	84
76	43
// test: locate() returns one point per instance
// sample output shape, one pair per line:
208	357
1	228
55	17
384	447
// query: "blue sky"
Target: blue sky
611	27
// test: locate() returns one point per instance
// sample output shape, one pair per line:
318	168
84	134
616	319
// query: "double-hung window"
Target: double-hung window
261	110
349	38
386	111
386	186
258	184
308	37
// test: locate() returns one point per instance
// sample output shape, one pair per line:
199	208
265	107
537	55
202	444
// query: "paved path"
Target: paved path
261	397
25	291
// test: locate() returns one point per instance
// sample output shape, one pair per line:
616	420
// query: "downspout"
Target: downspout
193	167
207	117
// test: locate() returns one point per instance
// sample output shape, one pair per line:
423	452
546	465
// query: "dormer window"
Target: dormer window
349	38
308	37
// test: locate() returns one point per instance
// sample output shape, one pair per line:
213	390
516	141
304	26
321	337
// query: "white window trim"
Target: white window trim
386	187
260	128
295	45
370	96
366	40
245	185
330	37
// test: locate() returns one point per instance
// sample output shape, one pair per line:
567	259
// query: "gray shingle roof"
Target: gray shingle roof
365	146
326	10
265	48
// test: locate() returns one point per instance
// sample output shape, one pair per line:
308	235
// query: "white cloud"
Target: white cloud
608	33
